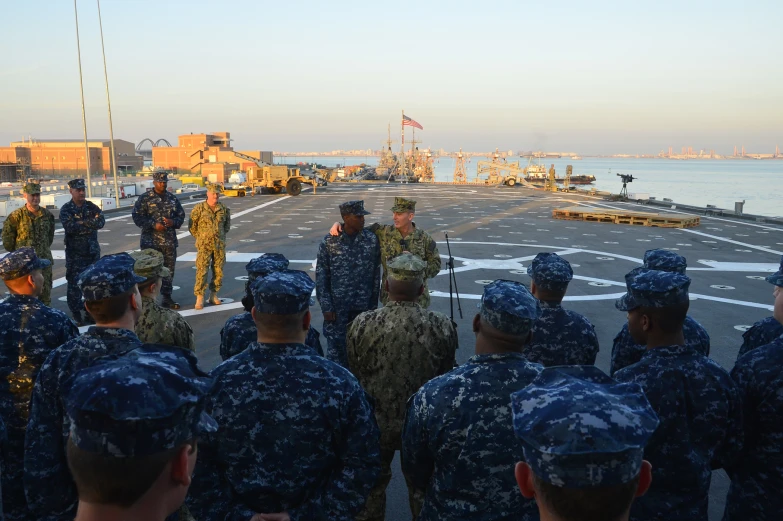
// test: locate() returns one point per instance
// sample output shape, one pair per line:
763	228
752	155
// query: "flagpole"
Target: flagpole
402	146
113	162
81	88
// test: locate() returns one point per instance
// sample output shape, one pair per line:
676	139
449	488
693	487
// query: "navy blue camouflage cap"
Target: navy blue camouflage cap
550	271
664	260
580	428
145	402
21	262
508	306
653	289
77	184
777	278
265	264
109	276
160	176
353	208
284	292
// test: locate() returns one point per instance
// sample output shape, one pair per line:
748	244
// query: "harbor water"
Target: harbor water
695	182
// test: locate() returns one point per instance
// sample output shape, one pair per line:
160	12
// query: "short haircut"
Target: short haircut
607	503
144	286
109	309
668	319
108	480
277	325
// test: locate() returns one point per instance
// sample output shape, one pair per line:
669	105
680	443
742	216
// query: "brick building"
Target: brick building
209	155
65	157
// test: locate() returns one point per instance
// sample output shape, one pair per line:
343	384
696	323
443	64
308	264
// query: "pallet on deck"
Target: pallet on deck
607	215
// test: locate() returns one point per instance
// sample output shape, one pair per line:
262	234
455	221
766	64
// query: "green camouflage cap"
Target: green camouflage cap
403	205
214	188
149	264
406	266
32	188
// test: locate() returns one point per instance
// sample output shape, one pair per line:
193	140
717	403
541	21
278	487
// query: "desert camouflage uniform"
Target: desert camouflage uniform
24	228
297	432
151	208
81	225
393	351
458	442
418	242
209	225
240	331
579	429
697	403
763	332
562	337
347	275
626	352
159	325
30	332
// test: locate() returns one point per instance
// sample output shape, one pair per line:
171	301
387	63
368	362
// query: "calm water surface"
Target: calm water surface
696	182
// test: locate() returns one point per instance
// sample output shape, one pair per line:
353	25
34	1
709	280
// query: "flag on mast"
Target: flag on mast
406	121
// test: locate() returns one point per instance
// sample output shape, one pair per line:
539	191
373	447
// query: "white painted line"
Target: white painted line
236	257
61	230
761	248
764	267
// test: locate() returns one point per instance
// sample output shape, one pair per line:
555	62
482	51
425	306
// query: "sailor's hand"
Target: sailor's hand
160	227
169	222
330	316
335	229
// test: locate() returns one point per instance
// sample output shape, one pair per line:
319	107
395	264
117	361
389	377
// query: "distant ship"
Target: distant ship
536	173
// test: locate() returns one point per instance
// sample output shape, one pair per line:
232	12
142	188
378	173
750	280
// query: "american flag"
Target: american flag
406	121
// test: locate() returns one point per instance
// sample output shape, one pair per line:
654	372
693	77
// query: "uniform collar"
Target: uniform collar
497	357
402	304
549	304
23	298
113	333
668	351
288	349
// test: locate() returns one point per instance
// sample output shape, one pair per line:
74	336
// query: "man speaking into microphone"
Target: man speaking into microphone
401	237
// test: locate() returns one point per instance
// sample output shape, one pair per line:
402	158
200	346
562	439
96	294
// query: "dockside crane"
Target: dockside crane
460	173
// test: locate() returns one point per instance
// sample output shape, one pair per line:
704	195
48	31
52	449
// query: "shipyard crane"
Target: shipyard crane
460	173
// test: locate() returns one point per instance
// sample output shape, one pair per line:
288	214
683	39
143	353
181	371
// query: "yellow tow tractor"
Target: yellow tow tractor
274	178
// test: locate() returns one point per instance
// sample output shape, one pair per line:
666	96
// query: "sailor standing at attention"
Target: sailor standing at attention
81	220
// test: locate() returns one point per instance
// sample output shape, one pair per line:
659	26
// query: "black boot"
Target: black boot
169	303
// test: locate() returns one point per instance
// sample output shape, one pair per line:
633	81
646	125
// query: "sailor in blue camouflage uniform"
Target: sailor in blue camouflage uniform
81	220
30	331
560	336
624	350
296	434
126	411
583	436
348	277
763	332
757	475
697	402
159	214
240	330
458	443
110	290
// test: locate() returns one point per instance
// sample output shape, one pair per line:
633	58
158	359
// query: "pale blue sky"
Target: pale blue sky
593	77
